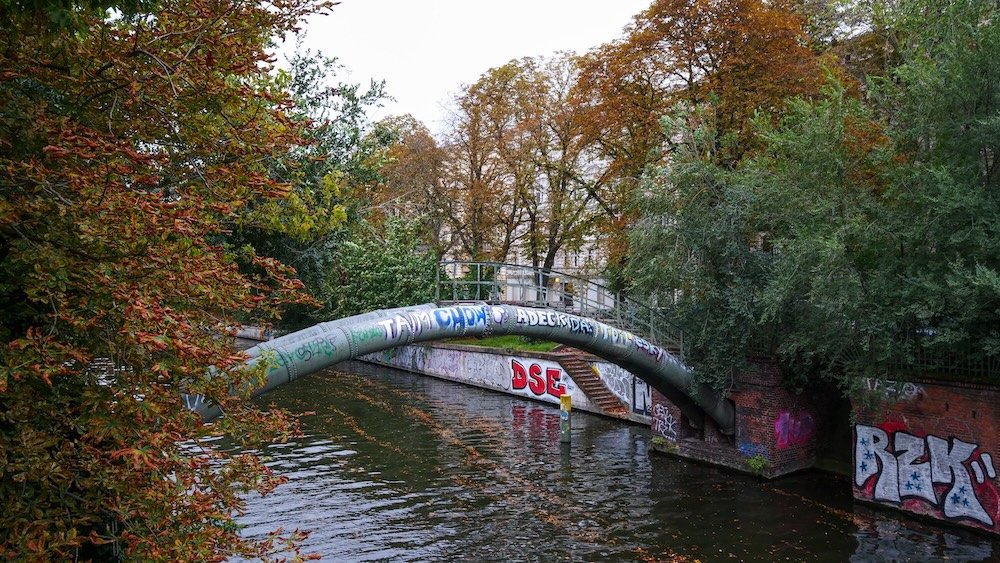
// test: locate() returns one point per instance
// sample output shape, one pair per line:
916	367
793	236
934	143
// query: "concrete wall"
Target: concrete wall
633	392
535	376
931	449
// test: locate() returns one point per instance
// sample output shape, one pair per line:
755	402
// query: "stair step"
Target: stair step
590	383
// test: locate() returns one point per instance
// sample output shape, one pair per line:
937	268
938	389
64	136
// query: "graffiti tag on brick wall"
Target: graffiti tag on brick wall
750	449
793	430
532	378
664	423
896	390
934	470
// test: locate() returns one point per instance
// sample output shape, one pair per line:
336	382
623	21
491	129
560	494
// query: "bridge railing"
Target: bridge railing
512	284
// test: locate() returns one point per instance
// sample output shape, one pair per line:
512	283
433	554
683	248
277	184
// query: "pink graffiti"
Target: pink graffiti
793	430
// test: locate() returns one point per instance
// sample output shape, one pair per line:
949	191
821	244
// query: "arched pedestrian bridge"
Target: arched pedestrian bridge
479	299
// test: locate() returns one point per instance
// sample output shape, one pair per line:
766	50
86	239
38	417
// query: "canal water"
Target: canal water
400	467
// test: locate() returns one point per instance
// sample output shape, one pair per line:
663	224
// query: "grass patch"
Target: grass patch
509	342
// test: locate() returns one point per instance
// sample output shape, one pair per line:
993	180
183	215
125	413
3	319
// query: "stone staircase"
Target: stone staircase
573	362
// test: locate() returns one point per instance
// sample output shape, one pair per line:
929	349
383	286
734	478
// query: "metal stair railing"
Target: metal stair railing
511	284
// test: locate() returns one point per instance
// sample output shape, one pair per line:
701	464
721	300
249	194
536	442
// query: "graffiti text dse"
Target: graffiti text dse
533	379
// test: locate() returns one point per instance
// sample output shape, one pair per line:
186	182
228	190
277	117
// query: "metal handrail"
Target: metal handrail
461	281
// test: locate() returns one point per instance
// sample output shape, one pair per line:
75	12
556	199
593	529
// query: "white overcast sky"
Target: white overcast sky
425	50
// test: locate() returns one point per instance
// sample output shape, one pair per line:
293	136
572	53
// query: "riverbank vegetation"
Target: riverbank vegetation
854	232
509	342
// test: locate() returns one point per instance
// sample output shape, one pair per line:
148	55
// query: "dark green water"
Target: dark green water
406	468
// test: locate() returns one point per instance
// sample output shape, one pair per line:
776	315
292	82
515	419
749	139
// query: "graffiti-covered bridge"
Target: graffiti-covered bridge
486	299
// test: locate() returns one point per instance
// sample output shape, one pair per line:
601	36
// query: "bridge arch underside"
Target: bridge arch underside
323	345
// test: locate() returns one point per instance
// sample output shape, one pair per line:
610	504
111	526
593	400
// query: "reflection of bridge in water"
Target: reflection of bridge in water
486	299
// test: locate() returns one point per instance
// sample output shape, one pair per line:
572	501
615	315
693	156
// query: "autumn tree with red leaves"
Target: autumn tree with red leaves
129	145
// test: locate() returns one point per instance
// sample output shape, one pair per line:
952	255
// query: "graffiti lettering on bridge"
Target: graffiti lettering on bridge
617	337
793	430
307	351
461	316
554	320
414	323
907	468
531	378
653	350
371	333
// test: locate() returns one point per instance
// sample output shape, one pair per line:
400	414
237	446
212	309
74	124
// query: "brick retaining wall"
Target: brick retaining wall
930	448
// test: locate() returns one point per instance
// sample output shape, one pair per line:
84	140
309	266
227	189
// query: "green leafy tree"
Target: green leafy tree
378	270
826	204
860	237
945	117
692	248
329	173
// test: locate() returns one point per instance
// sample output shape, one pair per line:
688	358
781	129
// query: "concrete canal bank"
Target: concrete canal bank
595	385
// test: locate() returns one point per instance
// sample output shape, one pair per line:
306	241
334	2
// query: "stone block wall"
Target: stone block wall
930	448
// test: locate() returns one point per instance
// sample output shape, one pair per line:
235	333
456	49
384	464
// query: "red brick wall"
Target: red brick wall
772	422
931	449
668	421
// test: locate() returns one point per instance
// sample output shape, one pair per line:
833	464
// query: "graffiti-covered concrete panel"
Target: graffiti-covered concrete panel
630	390
536	376
524	376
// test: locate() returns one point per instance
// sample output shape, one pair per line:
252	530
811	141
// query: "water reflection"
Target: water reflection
405	468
